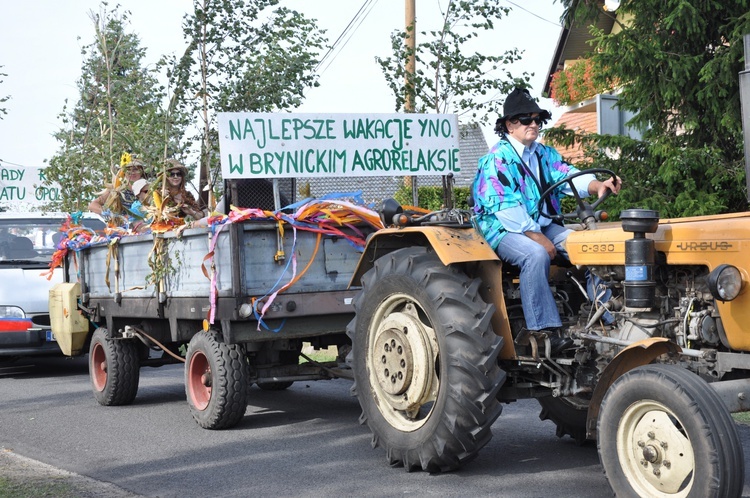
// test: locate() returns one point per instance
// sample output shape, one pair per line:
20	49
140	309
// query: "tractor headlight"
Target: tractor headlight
725	282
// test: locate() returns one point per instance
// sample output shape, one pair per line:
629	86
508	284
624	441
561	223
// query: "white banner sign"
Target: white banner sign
22	188
279	145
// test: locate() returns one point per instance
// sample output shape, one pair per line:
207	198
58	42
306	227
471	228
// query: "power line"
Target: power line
533	14
346	28
16	165
359	16
354	30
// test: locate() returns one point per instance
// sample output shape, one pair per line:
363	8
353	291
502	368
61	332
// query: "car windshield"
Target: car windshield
33	240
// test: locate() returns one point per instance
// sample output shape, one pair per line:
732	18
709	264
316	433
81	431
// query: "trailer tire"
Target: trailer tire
425	361
216	381
663	431
568	414
114	369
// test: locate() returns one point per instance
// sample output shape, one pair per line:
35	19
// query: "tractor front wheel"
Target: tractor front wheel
664	432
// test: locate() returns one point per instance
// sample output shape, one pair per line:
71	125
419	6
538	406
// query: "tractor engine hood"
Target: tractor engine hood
700	240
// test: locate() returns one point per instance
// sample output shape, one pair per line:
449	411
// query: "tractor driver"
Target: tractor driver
506	192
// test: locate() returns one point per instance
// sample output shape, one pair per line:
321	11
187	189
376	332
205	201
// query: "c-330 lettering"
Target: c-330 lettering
598	248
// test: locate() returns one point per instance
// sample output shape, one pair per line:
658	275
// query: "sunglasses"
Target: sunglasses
144	191
177	174
527	120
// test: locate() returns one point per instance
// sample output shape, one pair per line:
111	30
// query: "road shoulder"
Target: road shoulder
22	477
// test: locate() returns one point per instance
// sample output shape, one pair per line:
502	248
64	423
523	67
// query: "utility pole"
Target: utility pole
745	103
411	46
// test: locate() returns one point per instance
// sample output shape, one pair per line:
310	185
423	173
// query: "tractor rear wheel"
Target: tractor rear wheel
425	361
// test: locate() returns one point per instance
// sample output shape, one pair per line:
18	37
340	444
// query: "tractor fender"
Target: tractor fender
452	245
637	354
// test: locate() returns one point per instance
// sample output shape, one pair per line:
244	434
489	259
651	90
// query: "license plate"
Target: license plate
50	336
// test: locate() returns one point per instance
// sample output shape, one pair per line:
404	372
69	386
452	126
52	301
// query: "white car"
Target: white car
27	243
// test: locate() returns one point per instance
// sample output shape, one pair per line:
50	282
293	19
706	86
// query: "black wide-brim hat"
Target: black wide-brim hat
521	102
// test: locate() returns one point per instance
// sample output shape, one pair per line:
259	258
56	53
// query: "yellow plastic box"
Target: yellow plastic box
68	324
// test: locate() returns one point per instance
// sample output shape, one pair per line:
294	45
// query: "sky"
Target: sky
41	44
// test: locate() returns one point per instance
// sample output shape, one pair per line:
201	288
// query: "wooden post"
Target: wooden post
411	45
745	105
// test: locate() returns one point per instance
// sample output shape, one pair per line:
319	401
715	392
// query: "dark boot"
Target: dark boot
557	342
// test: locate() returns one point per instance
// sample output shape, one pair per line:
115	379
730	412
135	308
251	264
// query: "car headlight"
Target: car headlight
725	282
11	312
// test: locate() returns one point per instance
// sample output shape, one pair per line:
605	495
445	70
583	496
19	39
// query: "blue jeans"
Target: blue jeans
538	303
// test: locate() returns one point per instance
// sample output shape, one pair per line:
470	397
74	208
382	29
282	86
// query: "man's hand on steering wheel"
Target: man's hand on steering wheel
600	188
584	211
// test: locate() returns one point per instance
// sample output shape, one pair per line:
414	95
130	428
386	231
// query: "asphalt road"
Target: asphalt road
305	441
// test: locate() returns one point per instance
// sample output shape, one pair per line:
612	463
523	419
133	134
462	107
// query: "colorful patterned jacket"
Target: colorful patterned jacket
502	182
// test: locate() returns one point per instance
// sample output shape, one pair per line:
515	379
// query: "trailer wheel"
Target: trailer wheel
215	381
664	432
113	368
425	361
568	414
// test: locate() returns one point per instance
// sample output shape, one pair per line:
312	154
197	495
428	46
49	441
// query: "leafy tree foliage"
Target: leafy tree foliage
449	75
677	63
3	110
241	56
432	198
119	109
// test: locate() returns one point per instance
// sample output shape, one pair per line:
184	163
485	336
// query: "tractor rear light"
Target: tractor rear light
389	209
725	282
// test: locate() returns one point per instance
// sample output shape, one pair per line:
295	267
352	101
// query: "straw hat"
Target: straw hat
174	164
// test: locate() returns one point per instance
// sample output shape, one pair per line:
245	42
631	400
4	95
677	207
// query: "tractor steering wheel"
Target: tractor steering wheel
584	210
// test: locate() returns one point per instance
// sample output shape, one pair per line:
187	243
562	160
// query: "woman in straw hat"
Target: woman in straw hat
177	195
118	197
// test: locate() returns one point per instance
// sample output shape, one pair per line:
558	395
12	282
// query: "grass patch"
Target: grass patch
742	417
319	355
25	487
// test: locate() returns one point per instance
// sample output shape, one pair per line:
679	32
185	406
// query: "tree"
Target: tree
450	76
119	109
241	57
677	64
3	110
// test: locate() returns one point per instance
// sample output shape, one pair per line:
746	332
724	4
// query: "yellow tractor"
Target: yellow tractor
436	346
